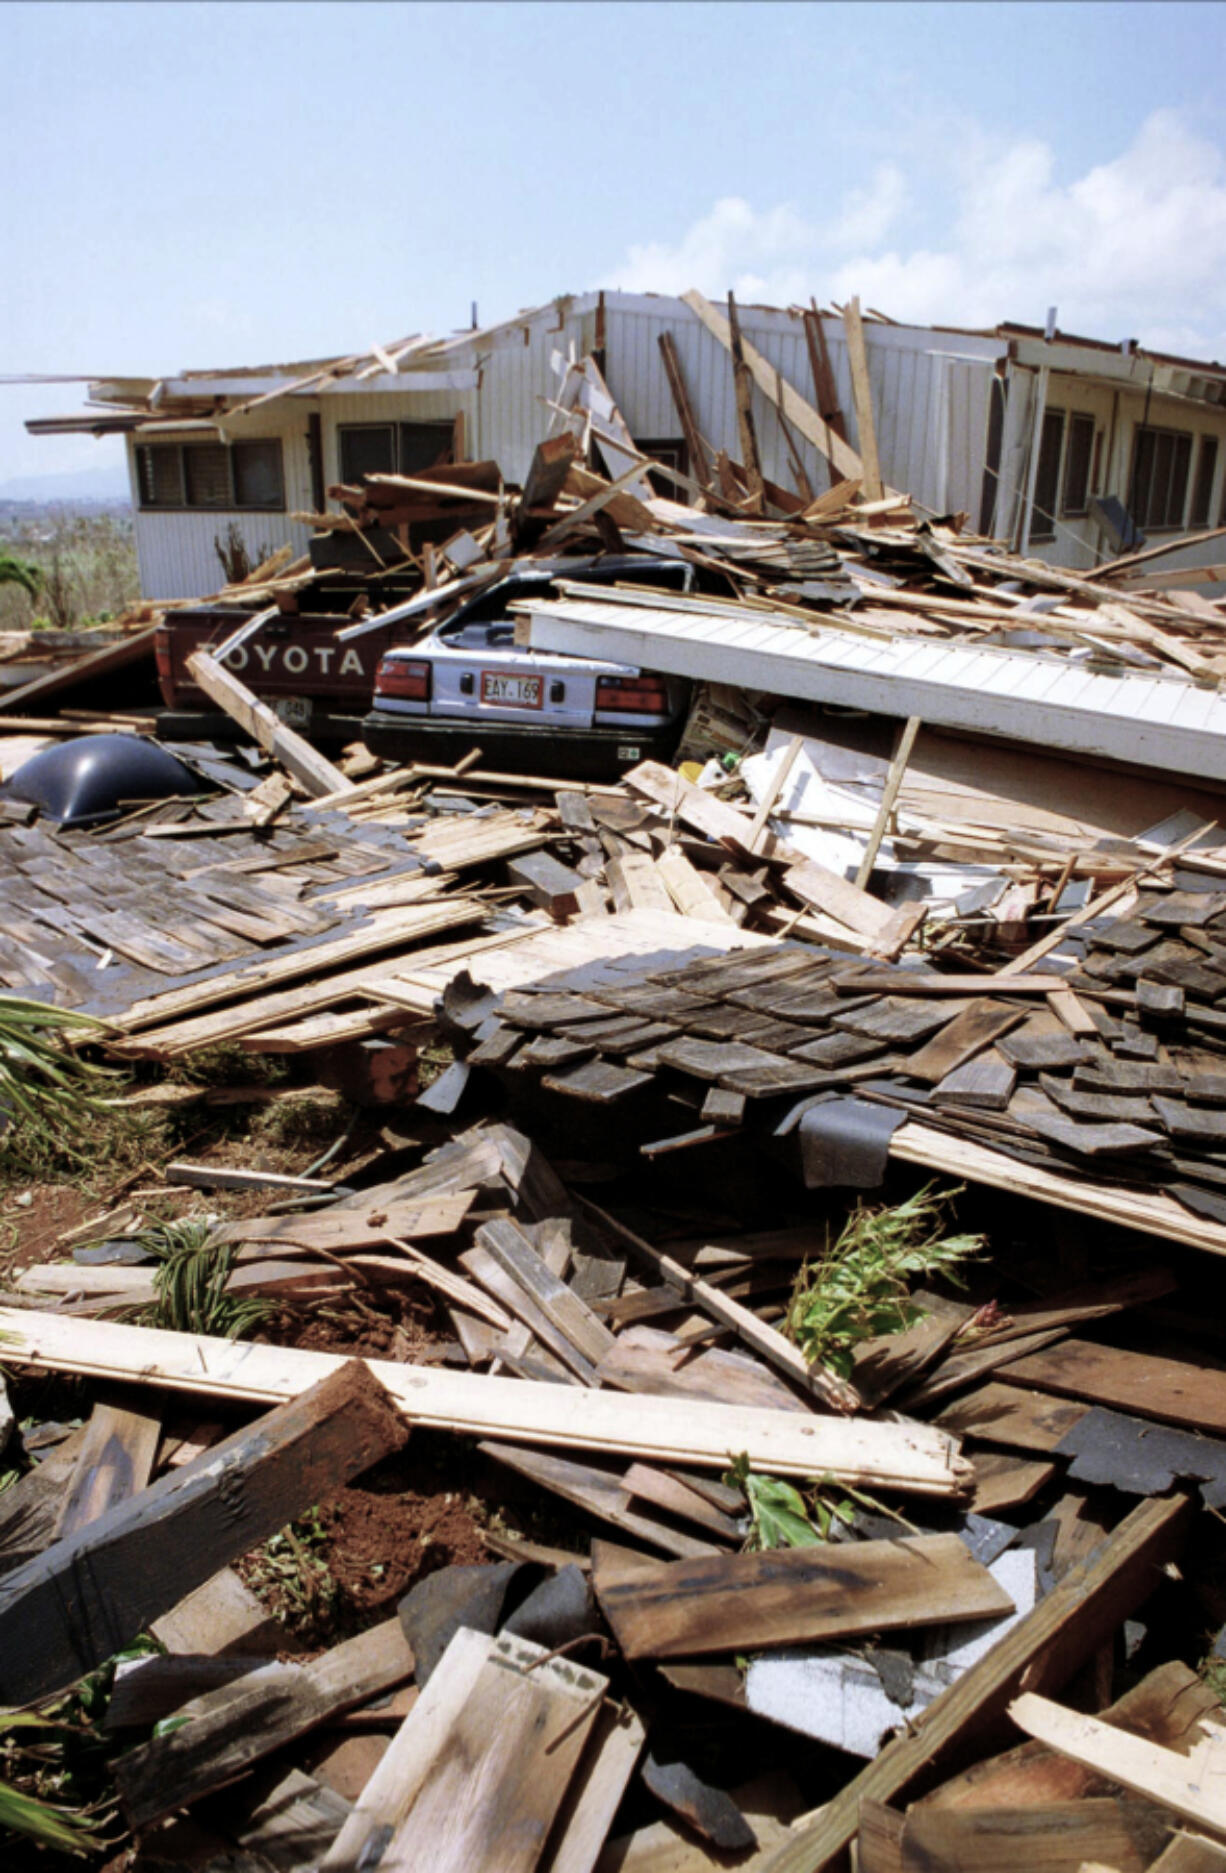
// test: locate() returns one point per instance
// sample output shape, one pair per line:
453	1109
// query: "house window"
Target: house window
393	448
1202	487
1158	489
204	475
1077	457
670	450
1047	480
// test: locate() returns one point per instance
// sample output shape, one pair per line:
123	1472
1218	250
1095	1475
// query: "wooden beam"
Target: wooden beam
696	451
825	389
1046	1647
89	1596
742	384
687	1432
893	782
857	352
305	763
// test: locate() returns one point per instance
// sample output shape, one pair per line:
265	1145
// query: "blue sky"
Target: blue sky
223	184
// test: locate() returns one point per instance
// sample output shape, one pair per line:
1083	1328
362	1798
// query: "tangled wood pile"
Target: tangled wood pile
791	1519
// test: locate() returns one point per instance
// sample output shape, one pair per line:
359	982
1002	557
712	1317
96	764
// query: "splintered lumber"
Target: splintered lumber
478	1770
116	1461
765	1340
189	1008
687	1432
305	763
893	782
234	1726
1047	1647
800	414
741	1602
1190	1785
89	1595
696	450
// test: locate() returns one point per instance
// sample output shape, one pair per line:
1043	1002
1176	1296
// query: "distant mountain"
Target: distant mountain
83	484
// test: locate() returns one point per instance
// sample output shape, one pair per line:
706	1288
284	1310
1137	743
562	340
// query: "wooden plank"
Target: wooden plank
116	1462
742	386
669	1493
1048	1646
561	1306
1056	1837
862	394
237	1725
595	1794
1007	1414
745	1602
677	1431
889	795
800	414
1142	1384
305	763
475	1776
688	888
89	1595
965	1036
601	1494
698	460
1189	1784
987	1083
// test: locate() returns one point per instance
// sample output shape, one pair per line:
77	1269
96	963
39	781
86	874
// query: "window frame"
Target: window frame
145	482
1075	417
1207	453
1158	435
394	426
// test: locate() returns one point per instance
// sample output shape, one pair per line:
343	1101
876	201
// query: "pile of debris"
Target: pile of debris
714	1514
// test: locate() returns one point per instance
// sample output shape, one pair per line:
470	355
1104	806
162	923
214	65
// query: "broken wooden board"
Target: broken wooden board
1056	1837
88	1596
743	1602
305	763
478	1771
116	1462
238	1724
1189	1785
1171	1390
872	1455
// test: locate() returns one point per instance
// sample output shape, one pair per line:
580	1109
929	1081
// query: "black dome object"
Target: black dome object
83	780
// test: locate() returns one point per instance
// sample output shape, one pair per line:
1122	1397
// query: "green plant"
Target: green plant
859	1287
42	1820
291	1574
777	1511
44	1084
191	1282
22	572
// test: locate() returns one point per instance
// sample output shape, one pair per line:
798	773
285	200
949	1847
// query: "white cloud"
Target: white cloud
1134	247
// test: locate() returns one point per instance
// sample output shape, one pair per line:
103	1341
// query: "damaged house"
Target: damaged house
1068	449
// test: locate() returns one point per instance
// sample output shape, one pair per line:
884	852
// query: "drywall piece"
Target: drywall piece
845	1699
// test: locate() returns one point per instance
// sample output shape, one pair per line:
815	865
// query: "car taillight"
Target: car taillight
632	695
404	677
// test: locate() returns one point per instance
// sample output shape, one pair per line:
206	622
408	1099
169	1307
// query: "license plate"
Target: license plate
512	692
294	711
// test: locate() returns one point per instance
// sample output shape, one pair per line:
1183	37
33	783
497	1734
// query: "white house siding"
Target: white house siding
926	387
175	548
